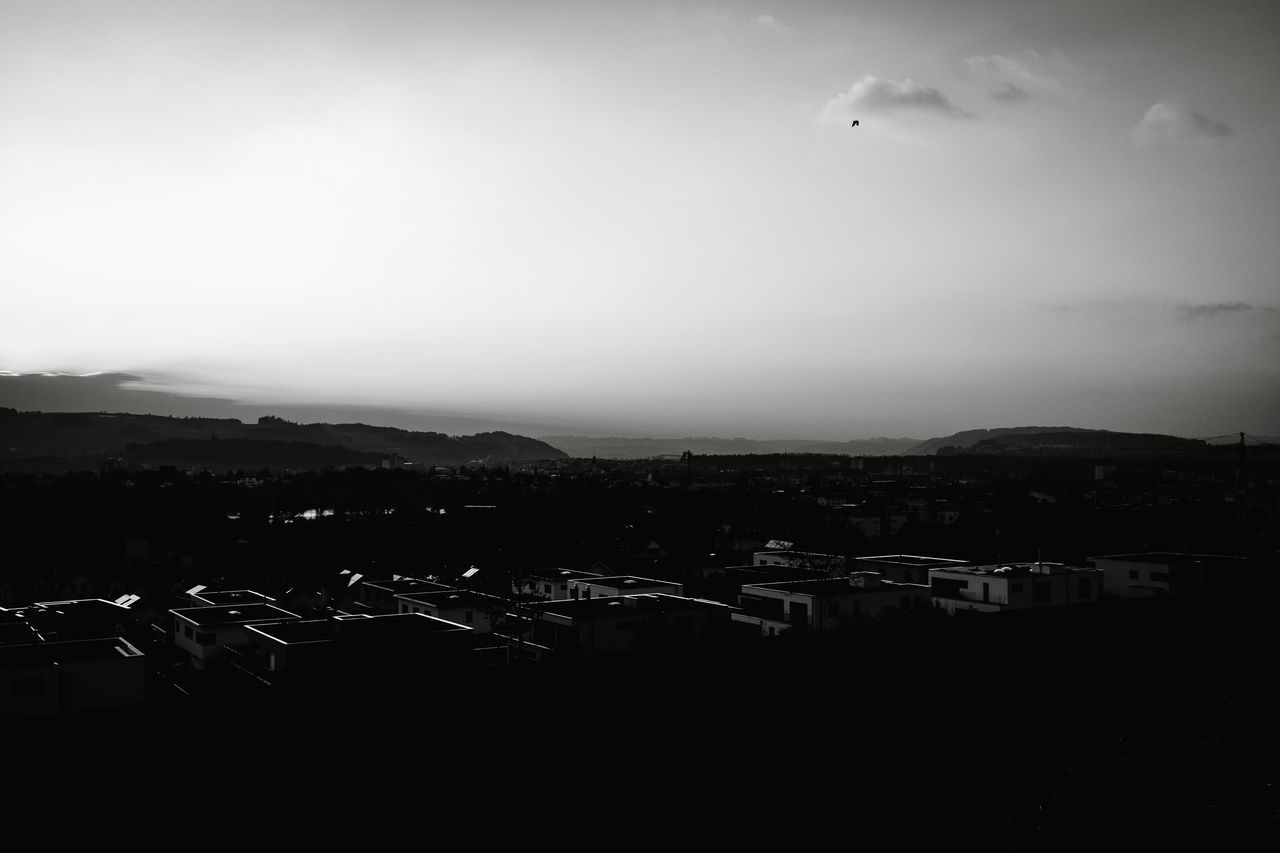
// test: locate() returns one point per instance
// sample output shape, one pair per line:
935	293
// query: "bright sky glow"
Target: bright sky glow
655	218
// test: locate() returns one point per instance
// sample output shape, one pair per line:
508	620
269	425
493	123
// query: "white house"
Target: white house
605	587
832	564
1013	586
550	584
906	568
1164	573
202	631
626	623
825	604
462	607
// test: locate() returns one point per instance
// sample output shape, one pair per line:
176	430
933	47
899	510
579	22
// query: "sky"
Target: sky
654	218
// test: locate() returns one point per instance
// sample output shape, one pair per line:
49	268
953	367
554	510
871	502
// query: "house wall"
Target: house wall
1016	592
849	607
77	685
28	692
222	635
549	589
629	629
108	683
1139	578
586	589
473	617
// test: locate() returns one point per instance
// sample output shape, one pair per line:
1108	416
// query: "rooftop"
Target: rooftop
624	605
914	560
326	630
800	554
87	608
858	582
397	586
1173	558
452	598
625	581
1015	569
560	574
233	614
44	654
231	596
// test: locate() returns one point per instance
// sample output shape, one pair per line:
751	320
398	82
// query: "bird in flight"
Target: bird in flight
855	123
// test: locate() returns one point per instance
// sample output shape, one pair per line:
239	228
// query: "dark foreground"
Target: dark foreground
1154	718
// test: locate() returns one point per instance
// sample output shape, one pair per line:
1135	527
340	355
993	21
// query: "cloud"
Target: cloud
877	95
771	23
1147	308
1023	72
1010	93
1169	124
1210	309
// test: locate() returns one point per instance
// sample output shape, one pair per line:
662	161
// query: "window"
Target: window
546	587
1085	588
1044	592
186	630
949	587
469	617
833	609
205	638
1015	588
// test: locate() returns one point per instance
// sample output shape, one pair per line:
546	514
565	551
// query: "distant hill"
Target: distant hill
271	442
583	447
248	453
1052	441
970	437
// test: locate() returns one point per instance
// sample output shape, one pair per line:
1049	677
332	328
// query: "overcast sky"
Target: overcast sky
655	218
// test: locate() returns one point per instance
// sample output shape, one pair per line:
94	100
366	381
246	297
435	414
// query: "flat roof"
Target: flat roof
231	596
914	560
234	614
407	585
818	586
564	574
451	598
1027	569
622	581
624	605
789	553
66	651
327	630
85	607
19	632
1172	558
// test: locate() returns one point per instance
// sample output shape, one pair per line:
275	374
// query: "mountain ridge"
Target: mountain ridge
164	439
617	447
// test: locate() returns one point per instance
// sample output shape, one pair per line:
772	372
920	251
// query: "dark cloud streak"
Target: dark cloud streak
1195	312
1010	93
